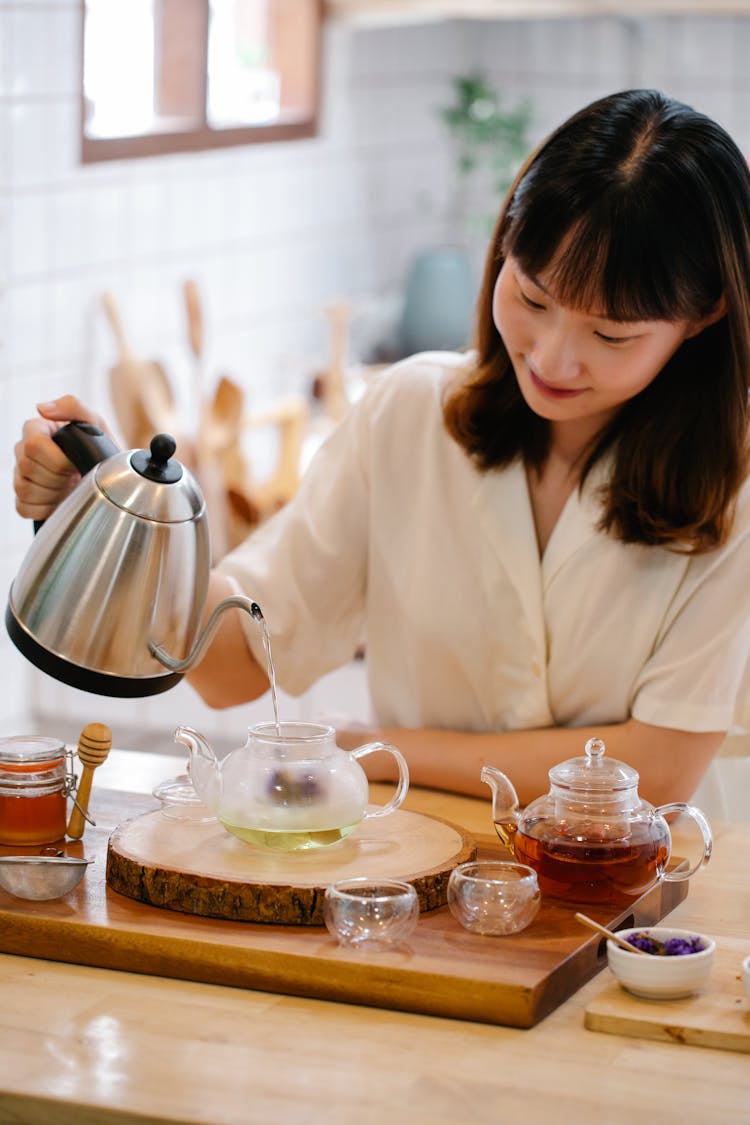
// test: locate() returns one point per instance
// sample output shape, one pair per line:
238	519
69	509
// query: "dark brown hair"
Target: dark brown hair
657	197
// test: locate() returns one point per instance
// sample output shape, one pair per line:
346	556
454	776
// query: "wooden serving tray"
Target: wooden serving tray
717	1016
442	970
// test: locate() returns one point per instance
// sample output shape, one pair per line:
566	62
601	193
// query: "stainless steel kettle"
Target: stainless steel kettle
111	593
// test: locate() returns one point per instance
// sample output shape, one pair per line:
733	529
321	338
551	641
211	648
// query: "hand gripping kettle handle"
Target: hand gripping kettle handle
84	445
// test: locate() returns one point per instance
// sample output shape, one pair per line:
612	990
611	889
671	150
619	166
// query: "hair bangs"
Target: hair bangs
613	260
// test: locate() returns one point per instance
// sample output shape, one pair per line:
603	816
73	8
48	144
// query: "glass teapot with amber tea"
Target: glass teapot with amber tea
591	839
290	787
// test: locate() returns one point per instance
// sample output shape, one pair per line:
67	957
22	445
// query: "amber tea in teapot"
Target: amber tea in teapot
591	871
591	839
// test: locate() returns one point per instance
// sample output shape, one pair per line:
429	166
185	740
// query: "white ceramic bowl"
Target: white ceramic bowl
661	977
746	976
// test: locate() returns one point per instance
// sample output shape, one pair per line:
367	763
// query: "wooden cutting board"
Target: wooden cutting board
717	1016
442	970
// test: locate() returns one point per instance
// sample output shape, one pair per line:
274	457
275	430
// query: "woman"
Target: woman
548	537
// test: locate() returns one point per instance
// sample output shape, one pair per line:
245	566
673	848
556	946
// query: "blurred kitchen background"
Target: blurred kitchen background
298	256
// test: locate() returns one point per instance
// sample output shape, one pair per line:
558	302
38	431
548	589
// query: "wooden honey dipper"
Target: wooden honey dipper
94	744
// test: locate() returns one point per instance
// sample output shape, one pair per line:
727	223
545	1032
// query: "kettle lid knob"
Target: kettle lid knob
155	464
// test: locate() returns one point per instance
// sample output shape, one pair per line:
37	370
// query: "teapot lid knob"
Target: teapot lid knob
594	750
156	464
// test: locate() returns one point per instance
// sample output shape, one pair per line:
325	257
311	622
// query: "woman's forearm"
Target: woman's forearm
670	762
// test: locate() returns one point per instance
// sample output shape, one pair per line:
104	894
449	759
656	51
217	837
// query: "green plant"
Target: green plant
491	141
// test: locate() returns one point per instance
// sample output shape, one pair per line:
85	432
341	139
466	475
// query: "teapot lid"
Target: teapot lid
149	483
594	771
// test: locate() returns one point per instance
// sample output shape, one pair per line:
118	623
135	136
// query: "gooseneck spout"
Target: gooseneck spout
236	601
505	807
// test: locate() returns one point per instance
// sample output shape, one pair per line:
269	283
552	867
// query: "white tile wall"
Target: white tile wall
270	232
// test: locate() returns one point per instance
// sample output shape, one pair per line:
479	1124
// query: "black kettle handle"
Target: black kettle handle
85	445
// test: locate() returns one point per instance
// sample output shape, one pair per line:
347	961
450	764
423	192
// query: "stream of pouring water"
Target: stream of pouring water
271	676
284	788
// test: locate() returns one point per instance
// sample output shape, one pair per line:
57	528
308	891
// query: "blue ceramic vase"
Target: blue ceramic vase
439	301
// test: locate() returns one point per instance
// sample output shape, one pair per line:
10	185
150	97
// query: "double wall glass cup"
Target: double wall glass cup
370	913
492	897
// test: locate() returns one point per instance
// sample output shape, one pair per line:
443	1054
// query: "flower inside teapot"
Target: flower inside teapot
591	839
290	787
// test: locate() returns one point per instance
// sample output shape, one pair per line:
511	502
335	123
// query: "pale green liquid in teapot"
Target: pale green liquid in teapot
286	841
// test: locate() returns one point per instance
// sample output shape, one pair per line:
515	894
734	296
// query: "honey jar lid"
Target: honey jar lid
20	749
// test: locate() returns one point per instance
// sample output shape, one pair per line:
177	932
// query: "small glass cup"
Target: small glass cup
370	913
492	897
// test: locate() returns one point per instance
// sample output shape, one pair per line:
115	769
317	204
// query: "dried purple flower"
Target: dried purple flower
646	943
672	947
678	946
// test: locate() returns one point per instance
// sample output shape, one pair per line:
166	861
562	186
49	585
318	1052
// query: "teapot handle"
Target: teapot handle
705	830
403	775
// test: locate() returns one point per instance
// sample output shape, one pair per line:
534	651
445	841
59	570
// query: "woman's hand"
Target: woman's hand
43	475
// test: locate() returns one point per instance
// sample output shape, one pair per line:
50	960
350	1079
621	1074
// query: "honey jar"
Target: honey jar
34	784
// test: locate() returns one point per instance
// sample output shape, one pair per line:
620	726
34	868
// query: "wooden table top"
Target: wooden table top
80	1045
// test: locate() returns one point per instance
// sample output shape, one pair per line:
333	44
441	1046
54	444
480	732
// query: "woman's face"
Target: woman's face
576	368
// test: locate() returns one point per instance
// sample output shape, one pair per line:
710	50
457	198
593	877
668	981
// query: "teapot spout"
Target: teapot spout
203	767
505	808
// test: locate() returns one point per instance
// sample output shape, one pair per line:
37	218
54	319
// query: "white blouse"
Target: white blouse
396	536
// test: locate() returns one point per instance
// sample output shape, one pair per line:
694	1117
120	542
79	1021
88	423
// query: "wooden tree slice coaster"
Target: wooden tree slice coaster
199	868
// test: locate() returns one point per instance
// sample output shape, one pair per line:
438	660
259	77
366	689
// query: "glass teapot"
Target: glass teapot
290	787
591	839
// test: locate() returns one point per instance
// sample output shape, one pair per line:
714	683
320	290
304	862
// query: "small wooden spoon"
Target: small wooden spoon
610	934
94	744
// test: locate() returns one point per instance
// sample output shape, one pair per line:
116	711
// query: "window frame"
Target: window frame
205	137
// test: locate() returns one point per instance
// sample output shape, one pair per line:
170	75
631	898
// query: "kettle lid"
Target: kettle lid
594	772
151	484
